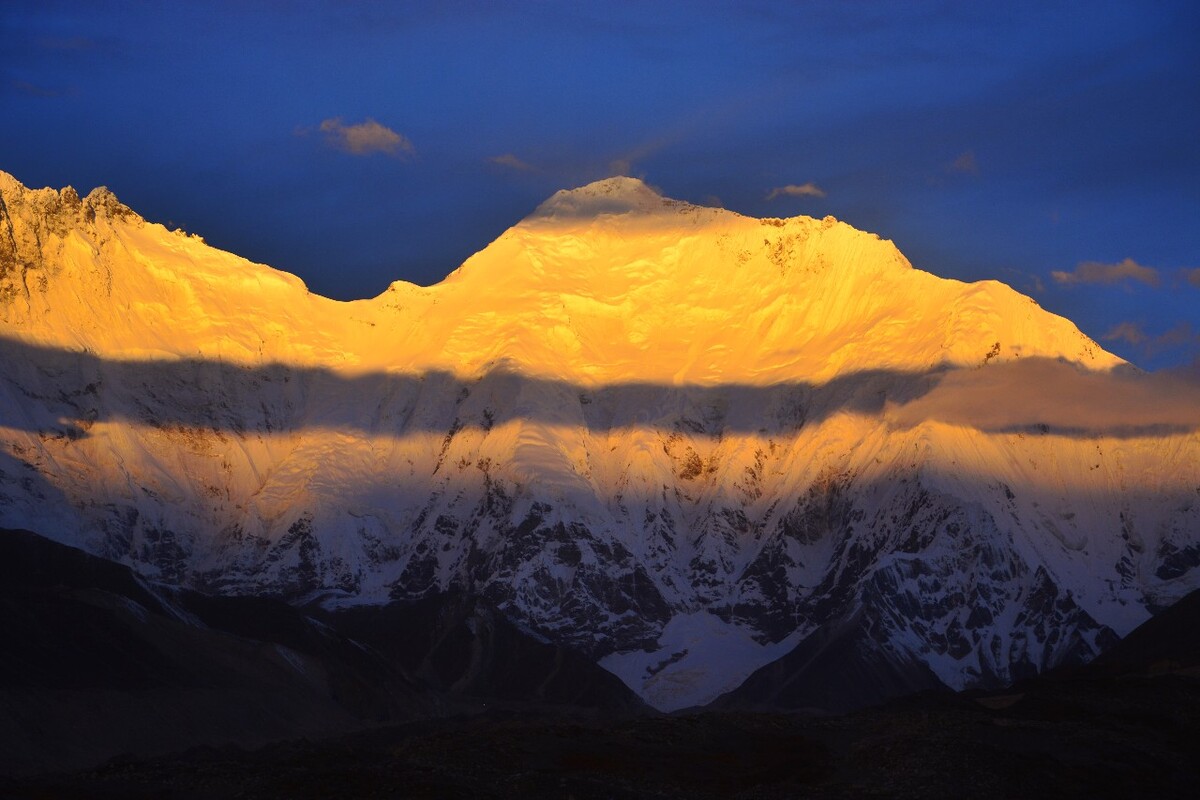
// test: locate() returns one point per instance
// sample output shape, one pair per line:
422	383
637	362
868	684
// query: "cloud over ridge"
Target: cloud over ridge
809	189
1061	396
1180	337
1126	332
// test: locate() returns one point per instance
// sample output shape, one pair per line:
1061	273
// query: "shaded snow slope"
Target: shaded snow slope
635	425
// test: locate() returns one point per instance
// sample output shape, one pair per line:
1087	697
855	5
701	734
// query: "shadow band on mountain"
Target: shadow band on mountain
57	392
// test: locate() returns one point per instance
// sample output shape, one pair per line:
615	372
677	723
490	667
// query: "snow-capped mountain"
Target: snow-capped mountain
681	440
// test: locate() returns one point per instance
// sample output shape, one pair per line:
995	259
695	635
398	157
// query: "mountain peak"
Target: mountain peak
609	197
102	198
50	207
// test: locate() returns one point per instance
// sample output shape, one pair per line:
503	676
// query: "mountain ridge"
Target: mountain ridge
608	298
634	437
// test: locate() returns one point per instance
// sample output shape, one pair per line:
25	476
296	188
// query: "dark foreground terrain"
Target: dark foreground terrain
443	698
1077	737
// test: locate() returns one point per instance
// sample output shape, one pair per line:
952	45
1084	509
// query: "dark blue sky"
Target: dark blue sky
1010	141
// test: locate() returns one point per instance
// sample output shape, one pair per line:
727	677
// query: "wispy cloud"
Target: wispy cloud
1126	332
620	166
68	43
809	189
1192	276
365	138
627	162
964	164
1096	272
33	90
512	162
1179	337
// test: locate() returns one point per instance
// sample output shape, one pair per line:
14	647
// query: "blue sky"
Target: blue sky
1049	145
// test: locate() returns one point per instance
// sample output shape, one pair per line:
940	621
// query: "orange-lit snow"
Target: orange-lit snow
603	284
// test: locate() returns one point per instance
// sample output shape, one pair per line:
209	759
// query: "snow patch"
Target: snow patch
699	657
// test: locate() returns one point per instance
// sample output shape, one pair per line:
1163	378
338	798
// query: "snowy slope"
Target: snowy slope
642	427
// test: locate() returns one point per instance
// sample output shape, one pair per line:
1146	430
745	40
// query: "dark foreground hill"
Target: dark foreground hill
1126	736
96	662
442	699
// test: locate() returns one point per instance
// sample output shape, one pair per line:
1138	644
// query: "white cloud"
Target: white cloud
1096	272
809	189
365	138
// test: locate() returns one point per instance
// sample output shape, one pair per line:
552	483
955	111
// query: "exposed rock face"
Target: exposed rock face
679	440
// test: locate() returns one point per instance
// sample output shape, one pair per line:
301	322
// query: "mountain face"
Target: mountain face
684	442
